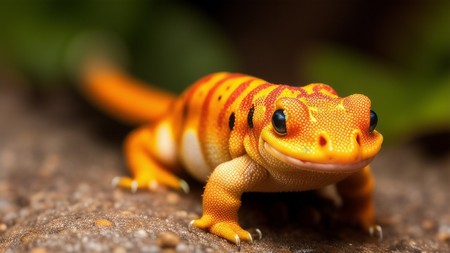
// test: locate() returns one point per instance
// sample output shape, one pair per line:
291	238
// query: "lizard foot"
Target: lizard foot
229	230
152	184
363	221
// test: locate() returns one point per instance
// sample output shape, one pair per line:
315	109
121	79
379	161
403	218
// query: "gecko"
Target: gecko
237	133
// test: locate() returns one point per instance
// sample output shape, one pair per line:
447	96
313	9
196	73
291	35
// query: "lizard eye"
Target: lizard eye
373	121
279	121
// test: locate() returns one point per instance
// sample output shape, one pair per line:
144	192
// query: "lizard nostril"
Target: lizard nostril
322	141
358	139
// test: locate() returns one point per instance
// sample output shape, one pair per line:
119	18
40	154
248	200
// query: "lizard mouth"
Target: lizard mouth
325	167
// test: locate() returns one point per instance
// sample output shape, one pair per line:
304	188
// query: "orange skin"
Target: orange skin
241	134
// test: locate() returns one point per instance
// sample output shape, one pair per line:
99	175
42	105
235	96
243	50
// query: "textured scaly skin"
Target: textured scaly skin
221	131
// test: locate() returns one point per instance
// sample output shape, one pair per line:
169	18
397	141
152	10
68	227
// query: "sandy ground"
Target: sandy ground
57	159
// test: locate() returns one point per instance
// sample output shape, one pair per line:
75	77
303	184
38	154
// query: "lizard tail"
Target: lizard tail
109	88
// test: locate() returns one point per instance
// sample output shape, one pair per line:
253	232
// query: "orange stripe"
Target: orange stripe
191	91
248	100
231	99
302	93
206	102
204	124
218	84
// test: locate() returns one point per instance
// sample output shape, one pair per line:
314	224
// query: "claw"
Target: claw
256	232
190	225
115	182
237	241
134	186
376	231
251	237
259	234
184	186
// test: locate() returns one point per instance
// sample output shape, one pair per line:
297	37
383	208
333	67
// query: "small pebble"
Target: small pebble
103	223
29	237
181	214
168	250
118	194
173	198
427	224
50	165
141	233
38	250
151	249
127	213
444	233
182	247
120	250
3	227
168	240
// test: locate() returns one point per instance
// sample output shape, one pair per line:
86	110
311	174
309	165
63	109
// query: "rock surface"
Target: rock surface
58	157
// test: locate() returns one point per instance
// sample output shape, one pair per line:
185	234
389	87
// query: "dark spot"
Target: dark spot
185	111
358	140
322	141
250	116
219	98
231	121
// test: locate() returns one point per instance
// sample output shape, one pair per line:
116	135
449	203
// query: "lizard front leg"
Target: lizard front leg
357	198
222	197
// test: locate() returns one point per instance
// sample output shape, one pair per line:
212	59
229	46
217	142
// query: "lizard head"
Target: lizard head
320	131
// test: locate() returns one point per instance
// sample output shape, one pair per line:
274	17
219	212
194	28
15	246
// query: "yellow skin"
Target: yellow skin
241	134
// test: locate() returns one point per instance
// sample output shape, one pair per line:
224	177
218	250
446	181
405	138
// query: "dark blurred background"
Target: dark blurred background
395	52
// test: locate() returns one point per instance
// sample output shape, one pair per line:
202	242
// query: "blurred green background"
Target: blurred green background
396	52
